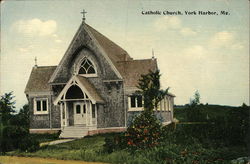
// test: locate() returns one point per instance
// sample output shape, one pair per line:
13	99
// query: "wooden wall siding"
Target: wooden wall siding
56	116
39	120
111	114
163	116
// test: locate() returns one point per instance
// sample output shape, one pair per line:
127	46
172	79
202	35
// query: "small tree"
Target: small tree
145	130
196	99
22	118
149	86
194	110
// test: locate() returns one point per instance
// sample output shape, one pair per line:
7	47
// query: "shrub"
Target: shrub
28	144
11	137
195	113
115	142
144	131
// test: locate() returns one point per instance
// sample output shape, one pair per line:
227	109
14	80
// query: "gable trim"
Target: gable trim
52	78
104	54
65	54
74	81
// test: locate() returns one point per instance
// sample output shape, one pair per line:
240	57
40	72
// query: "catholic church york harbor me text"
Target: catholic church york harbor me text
91	90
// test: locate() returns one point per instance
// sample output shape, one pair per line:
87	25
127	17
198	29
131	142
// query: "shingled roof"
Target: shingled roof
114	51
90	88
38	80
132	70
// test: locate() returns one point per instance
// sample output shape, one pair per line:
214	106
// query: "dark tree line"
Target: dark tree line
14	127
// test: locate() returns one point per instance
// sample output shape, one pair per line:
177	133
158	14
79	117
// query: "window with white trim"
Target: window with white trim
135	102
40	105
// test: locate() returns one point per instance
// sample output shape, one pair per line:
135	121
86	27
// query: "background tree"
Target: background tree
195	111
7	106
22	118
196	99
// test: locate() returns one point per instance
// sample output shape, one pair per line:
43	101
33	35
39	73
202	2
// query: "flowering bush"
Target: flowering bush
144	131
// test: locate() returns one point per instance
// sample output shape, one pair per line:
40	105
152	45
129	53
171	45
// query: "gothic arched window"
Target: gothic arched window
87	67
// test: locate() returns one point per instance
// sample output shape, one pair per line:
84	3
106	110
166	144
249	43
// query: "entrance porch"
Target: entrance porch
78	103
78	113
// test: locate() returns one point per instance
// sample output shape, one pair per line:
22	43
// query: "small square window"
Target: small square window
40	106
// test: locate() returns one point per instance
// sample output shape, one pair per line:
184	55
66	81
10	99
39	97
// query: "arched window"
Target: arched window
74	92
87	67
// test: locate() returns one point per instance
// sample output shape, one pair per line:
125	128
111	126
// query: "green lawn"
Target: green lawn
184	144
91	149
87	149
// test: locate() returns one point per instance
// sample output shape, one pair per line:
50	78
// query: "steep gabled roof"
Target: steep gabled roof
111	51
132	70
114	51
126	68
38	80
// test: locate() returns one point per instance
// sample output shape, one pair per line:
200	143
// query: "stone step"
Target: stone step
75	131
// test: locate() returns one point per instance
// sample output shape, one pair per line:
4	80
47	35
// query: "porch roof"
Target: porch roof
85	86
90	88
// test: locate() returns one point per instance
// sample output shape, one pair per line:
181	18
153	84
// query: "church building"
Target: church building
91	90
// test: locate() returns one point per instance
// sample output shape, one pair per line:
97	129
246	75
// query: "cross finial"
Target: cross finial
153	54
83	15
35	62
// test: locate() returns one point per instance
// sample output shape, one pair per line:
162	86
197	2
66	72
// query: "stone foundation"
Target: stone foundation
44	131
106	130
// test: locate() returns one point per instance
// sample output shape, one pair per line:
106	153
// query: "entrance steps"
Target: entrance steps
74	131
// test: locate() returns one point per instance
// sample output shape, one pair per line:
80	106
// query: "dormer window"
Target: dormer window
87	67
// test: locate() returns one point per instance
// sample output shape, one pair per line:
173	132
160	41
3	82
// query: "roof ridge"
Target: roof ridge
106	38
136	60
46	66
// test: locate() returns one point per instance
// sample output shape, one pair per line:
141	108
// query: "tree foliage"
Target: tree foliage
145	130
149	86
7	106
195	110
22	118
196	99
14	128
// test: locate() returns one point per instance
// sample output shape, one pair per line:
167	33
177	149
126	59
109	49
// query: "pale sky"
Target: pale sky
194	52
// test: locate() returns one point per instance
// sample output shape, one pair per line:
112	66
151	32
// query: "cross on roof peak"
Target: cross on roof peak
83	14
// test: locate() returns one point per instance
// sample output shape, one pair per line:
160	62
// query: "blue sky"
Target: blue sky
205	53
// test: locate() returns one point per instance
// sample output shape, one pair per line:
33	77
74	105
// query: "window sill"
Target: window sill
41	113
88	75
135	109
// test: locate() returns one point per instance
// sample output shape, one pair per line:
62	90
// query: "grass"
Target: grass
44	137
92	149
87	149
187	144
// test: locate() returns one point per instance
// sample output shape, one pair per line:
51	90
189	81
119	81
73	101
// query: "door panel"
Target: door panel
79	115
